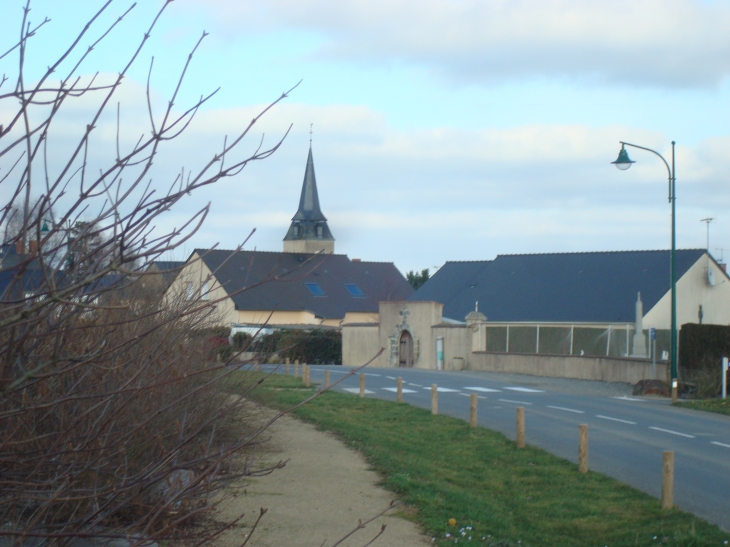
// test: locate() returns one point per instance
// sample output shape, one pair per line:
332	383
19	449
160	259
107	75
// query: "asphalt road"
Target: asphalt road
627	435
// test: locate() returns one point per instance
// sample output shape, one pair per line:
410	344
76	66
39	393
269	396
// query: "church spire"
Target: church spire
309	200
309	232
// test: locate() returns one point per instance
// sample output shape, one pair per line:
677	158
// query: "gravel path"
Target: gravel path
317	498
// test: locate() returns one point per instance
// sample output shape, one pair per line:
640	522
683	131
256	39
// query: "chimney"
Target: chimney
33	246
356	260
723	266
19	248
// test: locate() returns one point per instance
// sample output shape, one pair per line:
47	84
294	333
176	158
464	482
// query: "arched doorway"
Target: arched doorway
405	350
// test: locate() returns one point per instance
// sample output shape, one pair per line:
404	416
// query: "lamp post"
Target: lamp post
623	162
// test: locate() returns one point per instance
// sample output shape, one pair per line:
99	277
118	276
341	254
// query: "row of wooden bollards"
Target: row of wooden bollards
667	456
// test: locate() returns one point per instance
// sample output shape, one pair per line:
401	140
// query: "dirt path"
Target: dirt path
317	498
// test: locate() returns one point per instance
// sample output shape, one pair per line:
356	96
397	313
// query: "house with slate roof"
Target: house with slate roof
305	286
598	304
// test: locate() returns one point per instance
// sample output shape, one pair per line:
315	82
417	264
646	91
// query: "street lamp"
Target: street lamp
623	162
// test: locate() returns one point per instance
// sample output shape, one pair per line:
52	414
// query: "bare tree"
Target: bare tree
112	422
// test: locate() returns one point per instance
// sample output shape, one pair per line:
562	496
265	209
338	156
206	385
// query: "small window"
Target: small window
315	289
190	291
319	231
354	290
295	230
205	291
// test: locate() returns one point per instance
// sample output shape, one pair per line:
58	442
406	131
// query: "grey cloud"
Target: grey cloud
672	43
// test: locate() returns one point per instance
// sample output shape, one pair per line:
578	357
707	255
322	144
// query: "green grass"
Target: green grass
719	406
506	497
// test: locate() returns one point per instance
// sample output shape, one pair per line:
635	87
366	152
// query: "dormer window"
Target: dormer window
295	229
319	231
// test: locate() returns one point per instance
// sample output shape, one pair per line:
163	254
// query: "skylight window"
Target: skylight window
354	290
315	289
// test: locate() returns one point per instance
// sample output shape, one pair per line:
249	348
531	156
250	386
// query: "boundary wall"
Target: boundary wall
568	366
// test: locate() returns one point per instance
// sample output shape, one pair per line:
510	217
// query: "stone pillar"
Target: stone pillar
639	347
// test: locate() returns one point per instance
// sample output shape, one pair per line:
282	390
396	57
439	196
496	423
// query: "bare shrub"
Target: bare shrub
112	422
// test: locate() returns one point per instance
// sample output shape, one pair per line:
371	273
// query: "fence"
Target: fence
612	340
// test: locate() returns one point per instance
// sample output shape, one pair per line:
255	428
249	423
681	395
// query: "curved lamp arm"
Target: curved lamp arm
669	170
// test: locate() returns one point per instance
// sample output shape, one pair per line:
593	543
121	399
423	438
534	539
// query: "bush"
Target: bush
241	341
701	349
316	347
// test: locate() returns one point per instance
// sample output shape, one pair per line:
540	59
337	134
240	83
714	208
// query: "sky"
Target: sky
442	130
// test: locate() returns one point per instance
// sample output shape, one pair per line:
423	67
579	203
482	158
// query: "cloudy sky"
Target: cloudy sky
443	129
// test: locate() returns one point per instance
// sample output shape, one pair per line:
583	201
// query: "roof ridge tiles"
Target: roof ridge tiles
598	252
269	252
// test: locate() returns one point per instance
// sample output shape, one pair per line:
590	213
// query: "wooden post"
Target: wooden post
256	366
583	448
305	375
296	368
362	385
521	427
434	399
399	390
667	479
326	379
287	366
473	410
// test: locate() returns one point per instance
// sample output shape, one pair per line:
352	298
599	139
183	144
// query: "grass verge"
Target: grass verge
718	406
500	496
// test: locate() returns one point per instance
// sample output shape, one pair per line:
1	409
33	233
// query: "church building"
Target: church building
305	286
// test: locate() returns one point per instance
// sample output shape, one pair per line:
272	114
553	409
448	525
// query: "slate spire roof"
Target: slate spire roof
309	216
309	201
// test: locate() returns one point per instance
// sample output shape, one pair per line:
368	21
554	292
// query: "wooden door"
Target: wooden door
405	353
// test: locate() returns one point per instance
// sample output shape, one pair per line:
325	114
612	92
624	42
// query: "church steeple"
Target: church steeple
309	232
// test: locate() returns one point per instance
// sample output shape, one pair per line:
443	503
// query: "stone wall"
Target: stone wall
568	366
360	343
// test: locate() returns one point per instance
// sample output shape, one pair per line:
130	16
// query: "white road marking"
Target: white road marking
567	409
357	390
625	398
391	378
371	374
444	390
415	385
464	394
615	419
395	390
481	397
525	389
515	402
483	389
720	444
672	432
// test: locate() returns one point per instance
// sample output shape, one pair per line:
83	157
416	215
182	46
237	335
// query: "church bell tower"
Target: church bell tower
309	232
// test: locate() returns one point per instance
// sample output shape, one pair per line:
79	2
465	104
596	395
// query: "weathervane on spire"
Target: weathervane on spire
310	134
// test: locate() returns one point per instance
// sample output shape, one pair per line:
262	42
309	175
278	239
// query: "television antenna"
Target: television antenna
707	221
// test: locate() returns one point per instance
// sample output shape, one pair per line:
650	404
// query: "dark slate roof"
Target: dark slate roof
287	274
570	287
309	215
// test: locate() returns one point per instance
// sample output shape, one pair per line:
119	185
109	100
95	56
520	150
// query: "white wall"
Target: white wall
693	291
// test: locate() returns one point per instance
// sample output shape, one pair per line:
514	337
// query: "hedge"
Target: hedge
316	347
701	349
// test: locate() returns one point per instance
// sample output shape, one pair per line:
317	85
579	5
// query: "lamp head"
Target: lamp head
623	162
44	228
